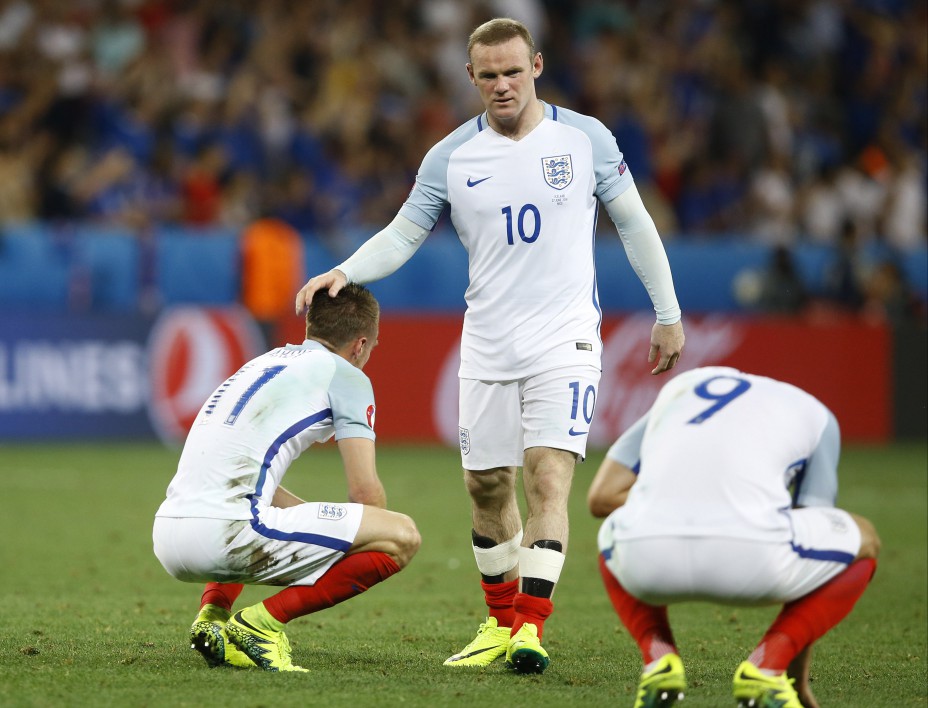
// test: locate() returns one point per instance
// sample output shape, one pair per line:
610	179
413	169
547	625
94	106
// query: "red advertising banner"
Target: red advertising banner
845	364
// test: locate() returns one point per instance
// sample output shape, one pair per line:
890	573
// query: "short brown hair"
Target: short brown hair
338	320
498	31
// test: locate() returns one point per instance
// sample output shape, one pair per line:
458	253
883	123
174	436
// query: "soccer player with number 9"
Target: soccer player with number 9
724	492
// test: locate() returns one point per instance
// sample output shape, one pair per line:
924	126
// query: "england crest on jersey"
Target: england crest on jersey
559	170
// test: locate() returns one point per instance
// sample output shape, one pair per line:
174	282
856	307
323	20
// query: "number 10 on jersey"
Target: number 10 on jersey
521	222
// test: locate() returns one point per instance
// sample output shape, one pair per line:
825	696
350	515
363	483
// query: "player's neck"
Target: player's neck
521	125
327	345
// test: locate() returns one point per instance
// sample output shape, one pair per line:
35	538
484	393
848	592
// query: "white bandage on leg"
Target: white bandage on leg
500	559
541	563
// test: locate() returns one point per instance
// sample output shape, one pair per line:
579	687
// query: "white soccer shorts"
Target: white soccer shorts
663	570
499	420
292	546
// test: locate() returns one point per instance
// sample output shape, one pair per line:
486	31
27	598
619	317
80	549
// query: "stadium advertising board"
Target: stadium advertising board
846	364
65	377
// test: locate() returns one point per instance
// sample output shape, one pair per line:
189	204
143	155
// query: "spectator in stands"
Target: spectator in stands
347	90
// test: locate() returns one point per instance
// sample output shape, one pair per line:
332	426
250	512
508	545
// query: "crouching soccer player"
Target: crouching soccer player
227	521
724	492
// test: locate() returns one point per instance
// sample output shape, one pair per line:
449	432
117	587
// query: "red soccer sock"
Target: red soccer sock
528	608
221	594
499	597
648	624
802	621
351	576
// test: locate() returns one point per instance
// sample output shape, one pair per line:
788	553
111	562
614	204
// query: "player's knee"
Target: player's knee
547	487
406	540
870	543
490	487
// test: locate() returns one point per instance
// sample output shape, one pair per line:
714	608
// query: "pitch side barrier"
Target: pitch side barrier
92	269
127	376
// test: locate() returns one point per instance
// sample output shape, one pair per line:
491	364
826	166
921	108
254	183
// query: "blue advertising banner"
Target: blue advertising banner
66	377
116	376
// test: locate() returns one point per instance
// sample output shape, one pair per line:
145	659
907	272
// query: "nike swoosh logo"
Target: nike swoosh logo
474	653
245	623
474	183
575	432
666	670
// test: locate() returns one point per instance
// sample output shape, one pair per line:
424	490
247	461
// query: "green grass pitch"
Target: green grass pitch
89	618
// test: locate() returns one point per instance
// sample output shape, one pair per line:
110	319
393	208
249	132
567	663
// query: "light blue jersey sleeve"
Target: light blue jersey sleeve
819	485
429	195
627	449
351	397
612	174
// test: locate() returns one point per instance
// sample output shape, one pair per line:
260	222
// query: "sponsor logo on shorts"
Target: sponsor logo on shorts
332	512
464	434
577	432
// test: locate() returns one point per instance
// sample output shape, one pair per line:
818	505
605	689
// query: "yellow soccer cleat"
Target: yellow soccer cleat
663	685
208	636
525	653
269	650
753	689
489	644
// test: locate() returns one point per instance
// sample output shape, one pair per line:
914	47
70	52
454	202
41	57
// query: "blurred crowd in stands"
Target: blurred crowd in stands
785	121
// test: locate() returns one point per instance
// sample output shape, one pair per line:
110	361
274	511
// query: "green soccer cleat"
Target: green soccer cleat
663	685
489	644
269	650
208	636
753	689
525	653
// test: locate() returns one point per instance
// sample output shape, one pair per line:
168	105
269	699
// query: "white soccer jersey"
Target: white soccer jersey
258	422
718	453
526	213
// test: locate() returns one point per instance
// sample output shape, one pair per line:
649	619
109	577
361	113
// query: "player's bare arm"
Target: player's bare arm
364	486
609	489
666	345
334	280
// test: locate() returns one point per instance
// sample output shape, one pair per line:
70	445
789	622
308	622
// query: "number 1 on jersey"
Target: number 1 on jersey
265	376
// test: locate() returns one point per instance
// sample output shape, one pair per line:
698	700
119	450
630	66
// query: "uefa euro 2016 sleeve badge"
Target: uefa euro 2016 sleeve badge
465	440
558	171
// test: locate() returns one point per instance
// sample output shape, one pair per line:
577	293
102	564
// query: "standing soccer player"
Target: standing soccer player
227	521
523	181
724	492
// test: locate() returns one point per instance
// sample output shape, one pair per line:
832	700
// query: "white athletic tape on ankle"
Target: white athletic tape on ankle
542	563
500	559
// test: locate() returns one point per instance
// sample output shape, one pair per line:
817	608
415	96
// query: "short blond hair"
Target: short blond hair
498	31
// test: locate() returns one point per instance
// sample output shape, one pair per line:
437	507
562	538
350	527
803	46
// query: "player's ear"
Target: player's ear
538	65
357	349
470	73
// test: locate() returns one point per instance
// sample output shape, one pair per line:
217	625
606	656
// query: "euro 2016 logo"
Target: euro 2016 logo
192	350
465	440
